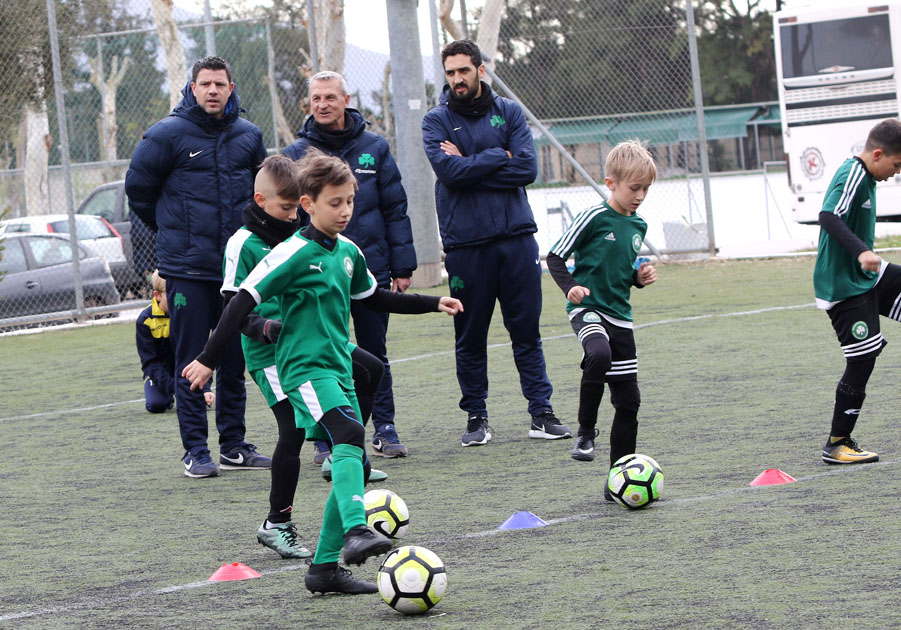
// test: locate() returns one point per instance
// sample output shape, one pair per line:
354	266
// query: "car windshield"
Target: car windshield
52	251
87	227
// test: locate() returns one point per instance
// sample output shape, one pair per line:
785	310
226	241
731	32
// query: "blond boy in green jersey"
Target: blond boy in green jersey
605	241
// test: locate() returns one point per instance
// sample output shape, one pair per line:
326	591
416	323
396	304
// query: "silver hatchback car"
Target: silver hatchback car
37	276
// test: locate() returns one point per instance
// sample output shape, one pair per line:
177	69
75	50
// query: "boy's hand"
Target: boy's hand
197	373
450	305
647	274
209	398
869	261
577	294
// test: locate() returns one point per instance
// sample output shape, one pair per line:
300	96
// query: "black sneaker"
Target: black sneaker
583	451
361	543
607	495
244	457
546	426
199	465
477	431
328	577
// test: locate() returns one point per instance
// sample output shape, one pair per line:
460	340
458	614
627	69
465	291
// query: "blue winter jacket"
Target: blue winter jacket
481	196
190	177
380	225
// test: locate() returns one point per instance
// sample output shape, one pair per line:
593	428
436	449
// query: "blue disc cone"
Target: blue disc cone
522	520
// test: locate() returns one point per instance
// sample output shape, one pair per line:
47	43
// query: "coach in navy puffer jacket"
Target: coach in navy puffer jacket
190	177
380	225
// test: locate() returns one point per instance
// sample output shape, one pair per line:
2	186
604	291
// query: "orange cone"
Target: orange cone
233	571
772	477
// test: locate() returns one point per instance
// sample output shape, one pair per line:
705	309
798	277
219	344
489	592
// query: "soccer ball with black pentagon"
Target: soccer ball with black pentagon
386	513
635	481
412	580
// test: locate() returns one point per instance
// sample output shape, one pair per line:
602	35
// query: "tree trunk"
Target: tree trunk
284	129
330	34
37	154
108	89
444	16
489	28
176	69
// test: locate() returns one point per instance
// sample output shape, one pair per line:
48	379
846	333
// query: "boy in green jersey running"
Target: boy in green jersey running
315	274
605	241
853	284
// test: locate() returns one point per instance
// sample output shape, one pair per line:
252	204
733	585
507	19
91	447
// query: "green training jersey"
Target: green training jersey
314	287
242	253
604	244
837	275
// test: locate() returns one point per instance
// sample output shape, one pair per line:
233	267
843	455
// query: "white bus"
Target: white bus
838	69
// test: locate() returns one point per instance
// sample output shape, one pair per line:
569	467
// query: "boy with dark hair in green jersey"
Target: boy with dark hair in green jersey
853	284
315	273
270	218
605	241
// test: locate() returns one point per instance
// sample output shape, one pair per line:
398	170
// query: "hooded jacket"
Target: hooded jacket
380	225
189	178
481	196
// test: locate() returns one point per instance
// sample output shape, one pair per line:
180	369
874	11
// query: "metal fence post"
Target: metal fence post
64	152
702	130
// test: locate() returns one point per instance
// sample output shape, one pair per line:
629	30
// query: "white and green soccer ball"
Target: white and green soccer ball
635	481
386	513
412	579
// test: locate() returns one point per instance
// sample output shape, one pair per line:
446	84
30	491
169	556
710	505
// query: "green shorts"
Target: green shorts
314	398
267	380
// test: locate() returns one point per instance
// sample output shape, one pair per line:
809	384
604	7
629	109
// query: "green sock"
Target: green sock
347	484
331	536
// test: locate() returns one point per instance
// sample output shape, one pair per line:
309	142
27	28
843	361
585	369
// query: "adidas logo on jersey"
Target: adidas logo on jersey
866	205
610	237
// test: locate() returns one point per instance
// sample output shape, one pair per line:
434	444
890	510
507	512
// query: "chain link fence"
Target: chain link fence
592	73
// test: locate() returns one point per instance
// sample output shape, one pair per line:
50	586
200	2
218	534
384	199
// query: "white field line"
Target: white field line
419	357
97	602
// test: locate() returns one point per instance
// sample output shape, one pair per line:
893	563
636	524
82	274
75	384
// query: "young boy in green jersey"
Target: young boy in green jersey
605	241
853	284
315	274
270	218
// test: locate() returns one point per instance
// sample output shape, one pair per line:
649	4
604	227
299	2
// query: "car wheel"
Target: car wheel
92	301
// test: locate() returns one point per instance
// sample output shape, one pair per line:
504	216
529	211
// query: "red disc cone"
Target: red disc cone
233	571
772	477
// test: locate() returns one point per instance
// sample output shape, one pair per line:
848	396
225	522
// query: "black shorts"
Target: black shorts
623	357
856	320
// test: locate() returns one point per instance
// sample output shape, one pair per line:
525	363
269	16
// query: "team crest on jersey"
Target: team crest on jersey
636	242
591	317
348	267
812	163
860	330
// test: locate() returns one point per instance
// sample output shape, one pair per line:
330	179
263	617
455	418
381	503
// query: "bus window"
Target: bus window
834	46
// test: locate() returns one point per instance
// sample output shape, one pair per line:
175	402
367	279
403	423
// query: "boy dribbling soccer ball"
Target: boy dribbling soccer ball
605	241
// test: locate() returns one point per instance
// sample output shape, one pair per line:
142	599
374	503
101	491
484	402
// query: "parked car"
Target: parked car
95	234
110	202
37	276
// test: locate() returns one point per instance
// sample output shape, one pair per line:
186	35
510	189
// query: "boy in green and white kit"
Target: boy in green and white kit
605	241
854	285
315	274
270	218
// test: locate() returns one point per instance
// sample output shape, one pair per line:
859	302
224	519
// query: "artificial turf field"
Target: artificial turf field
737	370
